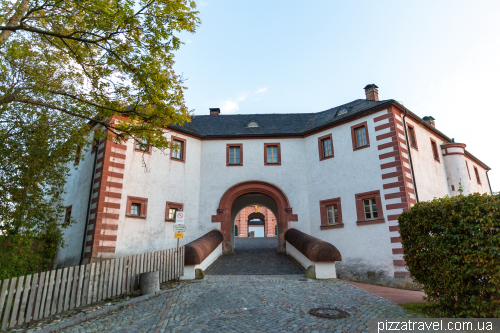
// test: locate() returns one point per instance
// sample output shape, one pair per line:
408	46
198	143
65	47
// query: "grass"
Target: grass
420	308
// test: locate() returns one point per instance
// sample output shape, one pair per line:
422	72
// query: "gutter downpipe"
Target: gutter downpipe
489	185
89	204
409	155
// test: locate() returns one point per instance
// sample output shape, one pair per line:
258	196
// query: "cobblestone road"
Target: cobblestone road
254	256
249	303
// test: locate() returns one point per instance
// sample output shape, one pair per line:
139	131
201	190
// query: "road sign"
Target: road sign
179	235
179	227
179	217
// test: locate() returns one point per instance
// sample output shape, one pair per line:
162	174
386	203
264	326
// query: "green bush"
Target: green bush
452	246
22	255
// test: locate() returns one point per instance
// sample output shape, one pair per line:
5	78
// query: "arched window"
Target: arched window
253	124
236	230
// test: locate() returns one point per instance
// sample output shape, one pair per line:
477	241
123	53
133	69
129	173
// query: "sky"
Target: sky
438	58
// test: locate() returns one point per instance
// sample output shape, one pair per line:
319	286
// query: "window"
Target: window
412	137
331	214
234	154
142	145
434	150
467	165
453	187
78	155
67	217
477	175
137	207
342	111
272	154
325	147
95	144
171	209
360	137
253	124
178	154
369	208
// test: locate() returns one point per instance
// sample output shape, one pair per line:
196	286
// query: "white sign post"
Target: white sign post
179	223
179	217
179	228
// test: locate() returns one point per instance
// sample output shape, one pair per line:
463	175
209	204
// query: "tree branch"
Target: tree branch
13	21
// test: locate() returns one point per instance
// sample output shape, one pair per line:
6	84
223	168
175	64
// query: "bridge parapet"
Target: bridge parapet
312	251
201	253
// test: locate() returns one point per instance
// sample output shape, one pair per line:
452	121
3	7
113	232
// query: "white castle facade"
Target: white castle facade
342	175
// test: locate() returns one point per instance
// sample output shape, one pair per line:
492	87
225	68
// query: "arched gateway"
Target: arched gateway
283	211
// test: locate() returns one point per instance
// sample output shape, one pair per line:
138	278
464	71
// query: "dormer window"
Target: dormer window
253	124
342	111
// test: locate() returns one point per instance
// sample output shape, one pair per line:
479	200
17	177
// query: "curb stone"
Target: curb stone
74	321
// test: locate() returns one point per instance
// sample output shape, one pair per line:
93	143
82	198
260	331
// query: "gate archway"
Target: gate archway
283	211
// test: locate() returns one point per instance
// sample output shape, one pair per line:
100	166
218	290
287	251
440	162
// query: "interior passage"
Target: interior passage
254	256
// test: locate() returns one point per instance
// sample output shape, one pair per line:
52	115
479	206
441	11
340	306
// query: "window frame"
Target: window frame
411	129
360	209
234	145
78	155
67	215
353	136
323	204
468	172
176	138
137	200
277	144
140	150
435	152
320	147
173	205
476	172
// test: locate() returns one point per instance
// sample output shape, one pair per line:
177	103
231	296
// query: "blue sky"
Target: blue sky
439	58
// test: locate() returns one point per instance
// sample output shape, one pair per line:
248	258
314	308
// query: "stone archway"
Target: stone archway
284	212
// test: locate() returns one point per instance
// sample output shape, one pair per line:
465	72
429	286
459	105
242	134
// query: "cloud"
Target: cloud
203	3
260	91
230	106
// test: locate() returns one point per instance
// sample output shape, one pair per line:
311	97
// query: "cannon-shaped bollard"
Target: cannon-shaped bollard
150	282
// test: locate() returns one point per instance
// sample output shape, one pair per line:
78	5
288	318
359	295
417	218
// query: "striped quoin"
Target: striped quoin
398	190
102	227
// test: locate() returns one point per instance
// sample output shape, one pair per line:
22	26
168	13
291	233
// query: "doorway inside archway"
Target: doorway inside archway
255	221
252	193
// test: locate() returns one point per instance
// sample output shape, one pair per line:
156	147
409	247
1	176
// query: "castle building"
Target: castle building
342	175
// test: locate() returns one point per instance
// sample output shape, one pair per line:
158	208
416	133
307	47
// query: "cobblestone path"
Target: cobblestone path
254	256
249	303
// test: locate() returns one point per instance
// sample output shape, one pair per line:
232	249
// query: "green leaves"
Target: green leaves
68	67
451	246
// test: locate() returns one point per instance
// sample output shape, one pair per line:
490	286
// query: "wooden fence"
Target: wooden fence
41	295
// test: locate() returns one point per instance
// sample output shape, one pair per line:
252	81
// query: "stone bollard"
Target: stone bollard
150	282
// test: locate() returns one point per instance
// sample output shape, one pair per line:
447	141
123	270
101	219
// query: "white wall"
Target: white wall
216	178
77	190
430	175
160	180
346	174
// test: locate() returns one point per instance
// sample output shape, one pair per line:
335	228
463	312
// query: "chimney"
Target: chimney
214	111
429	120
371	92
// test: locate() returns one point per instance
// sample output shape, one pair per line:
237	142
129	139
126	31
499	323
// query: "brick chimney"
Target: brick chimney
371	92
429	120
214	111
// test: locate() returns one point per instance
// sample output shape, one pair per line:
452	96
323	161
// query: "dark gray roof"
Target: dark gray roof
274	124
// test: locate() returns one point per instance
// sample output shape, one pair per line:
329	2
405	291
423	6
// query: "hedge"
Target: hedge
452	247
